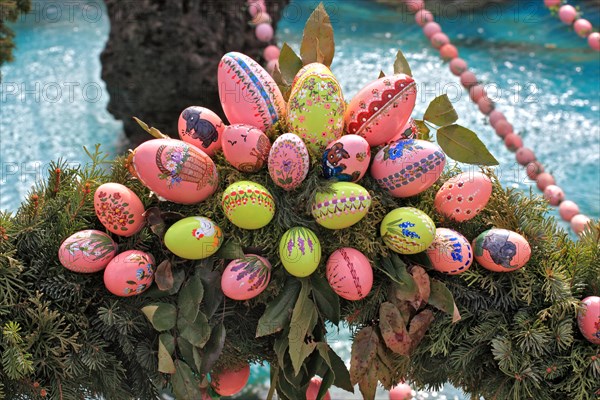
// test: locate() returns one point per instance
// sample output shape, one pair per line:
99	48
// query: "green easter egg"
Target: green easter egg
300	251
407	230
347	204
194	238
248	205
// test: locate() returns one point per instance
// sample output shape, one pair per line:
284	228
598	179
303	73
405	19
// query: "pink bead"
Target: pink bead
256	8
271	52
485	105
468	79
271	65
513	142
533	169
423	16
261	18
554	195
401	392
552	3
567	14
582	27
431	28
495	116
543	180
439	39
525	155
594	41
458	66
448	52
579	223
415	5
568	209
264	32
503	128
476	92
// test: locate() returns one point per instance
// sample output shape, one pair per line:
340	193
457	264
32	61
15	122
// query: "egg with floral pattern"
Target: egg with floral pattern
463	196
245	278
87	251
129	273
588	319
289	161
343	206
300	251
316	107
450	252
408	167
202	128
175	170
410	130
246	147
346	159
501	250
407	230
381	107
349	273
194	238
248	205
119	209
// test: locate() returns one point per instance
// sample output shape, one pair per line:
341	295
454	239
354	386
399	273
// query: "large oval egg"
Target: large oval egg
382	106
463	196
408	167
346	159
194	238
407	230
202	128
450	252
588	319
347	204
248	94
300	251
501	250
316	107
288	161
246	147
349	273
246	277
87	251
119	209
130	273
175	170
248	205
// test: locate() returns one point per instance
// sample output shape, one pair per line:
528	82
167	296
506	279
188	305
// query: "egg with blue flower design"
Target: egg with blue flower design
407	230
129	273
450	252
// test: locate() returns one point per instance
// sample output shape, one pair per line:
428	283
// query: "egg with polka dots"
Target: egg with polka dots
463	196
450	252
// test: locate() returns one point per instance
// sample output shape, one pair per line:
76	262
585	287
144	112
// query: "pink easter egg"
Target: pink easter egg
431	28
525	155
261	18
245	147
439	39
379	108
513	142
468	79
567	14
554	195
230	382
544	179
463	196
450	252
477	92
289	161
271	52
87	251
313	389
495	116
410	130
415	5
246	278
582	27
568	209
594	41
176	171
119	209
264	32
347	158
349	273
503	128
130	273
501	250
485	105
534	169
458	66
401	392
448	52
202	128
422	17
588	319
248	94
408	167
552	3
579	223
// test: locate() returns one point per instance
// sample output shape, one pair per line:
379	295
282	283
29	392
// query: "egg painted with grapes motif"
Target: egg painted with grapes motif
246	277
300	251
407	230
450	252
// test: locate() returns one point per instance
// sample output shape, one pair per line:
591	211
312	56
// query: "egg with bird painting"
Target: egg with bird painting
193	238
248	205
289	161
202	128
246	147
246	278
501	250
119	209
87	251
130	273
349	273
346	159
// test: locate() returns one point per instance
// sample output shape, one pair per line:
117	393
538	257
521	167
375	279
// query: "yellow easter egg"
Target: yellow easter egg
194	238
300	251
248	205
347	204
407	230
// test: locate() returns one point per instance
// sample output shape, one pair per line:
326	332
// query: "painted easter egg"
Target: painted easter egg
193	238
588	319
230	382
129	274
450	252
288	161
246	277
463	196
248	94
312	391
300	251
316	107
202	128
245	147
407	230
347	204
408	167
349	273
501	250
175	170
87	251
402	391
119	209
347	158
382	106
410	130
248	205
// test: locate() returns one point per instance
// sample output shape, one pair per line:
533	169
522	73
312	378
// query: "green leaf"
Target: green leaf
213	348
423	129
190	297
281	345
327	300
197	332
213	295
381	74
164	276
326	383
418	327
442	299
368	382
230	251
440	111
161	315
279	310
337	366
185	385
401	65
364	349
165	362
289	65
186	349
463	145
304	319
317	42
393	330
168	341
